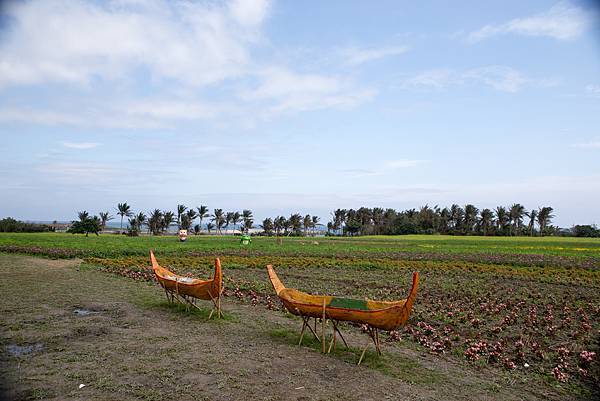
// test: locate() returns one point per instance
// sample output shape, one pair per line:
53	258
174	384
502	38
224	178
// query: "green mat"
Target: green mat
348	303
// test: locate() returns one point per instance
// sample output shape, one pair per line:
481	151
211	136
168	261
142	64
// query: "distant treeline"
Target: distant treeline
455	220
10	225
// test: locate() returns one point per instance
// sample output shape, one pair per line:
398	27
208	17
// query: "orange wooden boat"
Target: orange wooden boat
187	289
384	315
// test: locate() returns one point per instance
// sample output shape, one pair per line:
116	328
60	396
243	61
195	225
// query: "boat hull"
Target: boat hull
378	314
200	289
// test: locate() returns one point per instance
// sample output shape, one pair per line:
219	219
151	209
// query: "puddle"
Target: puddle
20	350
84	312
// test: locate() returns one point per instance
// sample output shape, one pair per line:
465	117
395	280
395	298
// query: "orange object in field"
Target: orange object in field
184	287
385	315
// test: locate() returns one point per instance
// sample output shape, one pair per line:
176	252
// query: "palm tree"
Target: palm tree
247	218
470	218
155	222
285	224
228	218
191	215
516	217
180	211
339	218
307	223
136	223
378	219
209	227
247	224
295	222
486	220
124	210
167	220
278	224
531	226
185	222
104	218
502	218
217	217
456	216
141	218
315	221
202	213
267	226
544	218
235	218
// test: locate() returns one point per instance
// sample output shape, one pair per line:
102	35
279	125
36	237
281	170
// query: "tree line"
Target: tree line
455	220
158	221
513	220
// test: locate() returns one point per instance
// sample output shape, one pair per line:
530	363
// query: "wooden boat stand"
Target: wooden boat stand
173	296
371	331
374	336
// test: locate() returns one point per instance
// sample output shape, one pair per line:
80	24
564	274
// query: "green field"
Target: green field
118	245
526	307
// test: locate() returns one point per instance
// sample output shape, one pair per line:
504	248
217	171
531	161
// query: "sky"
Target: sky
298	106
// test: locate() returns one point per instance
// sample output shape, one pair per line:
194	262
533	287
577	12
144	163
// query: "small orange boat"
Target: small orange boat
187	289
384	315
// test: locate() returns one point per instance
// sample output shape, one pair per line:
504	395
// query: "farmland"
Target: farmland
525	310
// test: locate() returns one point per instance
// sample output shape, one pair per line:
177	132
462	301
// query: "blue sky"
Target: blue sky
288	106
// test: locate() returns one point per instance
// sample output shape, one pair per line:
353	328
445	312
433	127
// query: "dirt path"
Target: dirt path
121	339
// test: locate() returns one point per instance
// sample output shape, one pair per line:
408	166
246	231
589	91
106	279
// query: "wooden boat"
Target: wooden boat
384	315
187	289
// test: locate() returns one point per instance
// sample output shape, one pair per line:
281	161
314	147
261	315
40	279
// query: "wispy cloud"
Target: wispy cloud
78	41
401	163
587	145
593	90
292	92
499	77
44	117
563	21
385	167
356	55
80	145
433	79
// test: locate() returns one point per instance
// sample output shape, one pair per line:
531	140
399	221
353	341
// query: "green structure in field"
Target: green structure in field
245	240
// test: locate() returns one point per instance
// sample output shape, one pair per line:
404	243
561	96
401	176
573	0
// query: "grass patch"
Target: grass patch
390	363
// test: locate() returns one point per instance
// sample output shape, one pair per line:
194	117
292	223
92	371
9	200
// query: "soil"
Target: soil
122	340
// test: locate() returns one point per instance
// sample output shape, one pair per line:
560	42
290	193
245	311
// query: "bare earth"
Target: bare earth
131	344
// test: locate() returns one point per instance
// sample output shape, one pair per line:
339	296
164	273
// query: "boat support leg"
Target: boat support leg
333	340
306	324
374	337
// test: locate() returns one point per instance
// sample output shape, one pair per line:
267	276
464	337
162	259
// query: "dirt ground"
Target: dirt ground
64	324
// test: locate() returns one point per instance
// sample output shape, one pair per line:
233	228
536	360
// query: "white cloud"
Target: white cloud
500	78
593	90
432	79
563	21
249	12
80	145
78	41
43	117
504	79
171	110
401	163
291	91
385	167
587	145
355	55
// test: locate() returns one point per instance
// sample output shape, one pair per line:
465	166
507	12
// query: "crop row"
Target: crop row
538	320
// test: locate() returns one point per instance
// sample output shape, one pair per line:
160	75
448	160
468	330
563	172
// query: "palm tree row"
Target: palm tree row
294	225
158	221
455	220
